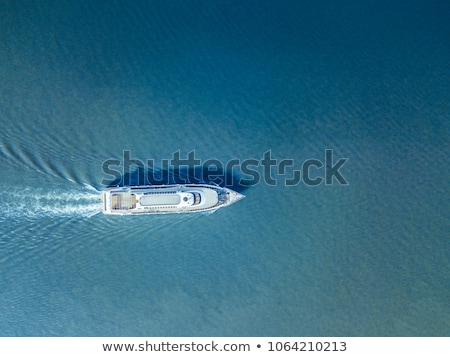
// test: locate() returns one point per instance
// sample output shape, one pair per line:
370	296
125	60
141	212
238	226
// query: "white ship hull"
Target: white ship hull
164	199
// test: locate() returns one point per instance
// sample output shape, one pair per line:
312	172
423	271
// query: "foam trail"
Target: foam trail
33	202
91	188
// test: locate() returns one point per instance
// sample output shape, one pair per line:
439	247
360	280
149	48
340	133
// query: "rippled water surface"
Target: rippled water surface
83	81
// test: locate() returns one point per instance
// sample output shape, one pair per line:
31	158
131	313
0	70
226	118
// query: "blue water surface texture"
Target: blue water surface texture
82	81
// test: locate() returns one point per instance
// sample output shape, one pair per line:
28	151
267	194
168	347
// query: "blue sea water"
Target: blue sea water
83	81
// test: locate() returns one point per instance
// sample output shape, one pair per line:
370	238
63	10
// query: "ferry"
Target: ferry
164	199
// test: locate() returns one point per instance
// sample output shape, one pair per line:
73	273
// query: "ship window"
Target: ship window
197	198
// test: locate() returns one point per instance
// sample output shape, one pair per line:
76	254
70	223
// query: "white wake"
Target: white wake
36	202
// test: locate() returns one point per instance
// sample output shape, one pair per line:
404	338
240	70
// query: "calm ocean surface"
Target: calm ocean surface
82	81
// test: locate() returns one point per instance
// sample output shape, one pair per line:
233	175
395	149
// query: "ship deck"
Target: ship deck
123	201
